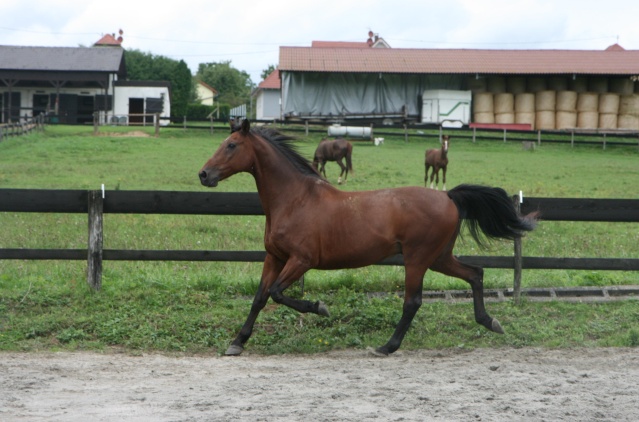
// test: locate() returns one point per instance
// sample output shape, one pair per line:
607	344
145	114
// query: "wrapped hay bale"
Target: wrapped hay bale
484	117
496	84
598	84
607	121
505	118
587	101
566	101
629	104
557	83
525	118
545	120
622	86
566	120
535	84
545	101
628	121
483	102
476	84
578	84
525	102
587	119
609	103
503	103
516	84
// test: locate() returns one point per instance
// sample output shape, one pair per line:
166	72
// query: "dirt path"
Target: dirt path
482	385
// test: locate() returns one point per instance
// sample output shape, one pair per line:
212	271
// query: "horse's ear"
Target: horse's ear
246	127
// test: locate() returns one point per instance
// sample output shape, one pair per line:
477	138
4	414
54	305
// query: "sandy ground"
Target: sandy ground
453	385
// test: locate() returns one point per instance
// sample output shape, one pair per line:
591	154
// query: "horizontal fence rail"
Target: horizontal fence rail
247	203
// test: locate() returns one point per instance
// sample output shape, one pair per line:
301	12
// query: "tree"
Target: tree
268	71
234	86
148	67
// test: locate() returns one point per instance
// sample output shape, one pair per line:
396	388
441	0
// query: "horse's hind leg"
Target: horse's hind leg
434	175
412	303
344	170
426	174
449	265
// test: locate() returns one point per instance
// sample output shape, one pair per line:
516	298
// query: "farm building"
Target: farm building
70	84
545	89
268	99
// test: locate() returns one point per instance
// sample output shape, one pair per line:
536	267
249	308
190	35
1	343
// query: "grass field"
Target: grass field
191	306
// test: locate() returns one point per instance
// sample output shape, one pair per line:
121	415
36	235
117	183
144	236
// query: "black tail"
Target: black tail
490	211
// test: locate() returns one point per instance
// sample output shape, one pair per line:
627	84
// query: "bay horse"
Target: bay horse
437	159
311	224
334	150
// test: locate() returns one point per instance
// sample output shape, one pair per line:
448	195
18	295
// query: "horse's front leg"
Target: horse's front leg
293	271
270	271
444	177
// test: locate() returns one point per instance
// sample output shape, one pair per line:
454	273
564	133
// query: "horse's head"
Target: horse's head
445	142
234	155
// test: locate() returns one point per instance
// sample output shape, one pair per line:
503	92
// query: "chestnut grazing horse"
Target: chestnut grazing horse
312	224
437	159
334	150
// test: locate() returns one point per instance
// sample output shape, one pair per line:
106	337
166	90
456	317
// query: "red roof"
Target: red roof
339	44
459	61
272	81
109	39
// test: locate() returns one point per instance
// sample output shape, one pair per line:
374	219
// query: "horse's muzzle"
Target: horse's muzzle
209	179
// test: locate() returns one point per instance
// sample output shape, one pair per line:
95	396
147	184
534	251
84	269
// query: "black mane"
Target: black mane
284	144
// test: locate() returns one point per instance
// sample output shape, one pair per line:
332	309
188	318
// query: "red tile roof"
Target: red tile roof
272	81
109	39
460	61
339	44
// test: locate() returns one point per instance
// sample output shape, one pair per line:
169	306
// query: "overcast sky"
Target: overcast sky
249	32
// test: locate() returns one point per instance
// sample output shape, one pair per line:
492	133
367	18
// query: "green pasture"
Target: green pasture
197	306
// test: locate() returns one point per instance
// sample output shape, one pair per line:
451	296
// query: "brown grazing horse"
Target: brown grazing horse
437	159
334	150
312	224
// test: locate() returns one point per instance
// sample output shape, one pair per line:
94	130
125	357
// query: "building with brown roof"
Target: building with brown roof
548	89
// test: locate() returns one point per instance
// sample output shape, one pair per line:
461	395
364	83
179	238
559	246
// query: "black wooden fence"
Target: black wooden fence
96	203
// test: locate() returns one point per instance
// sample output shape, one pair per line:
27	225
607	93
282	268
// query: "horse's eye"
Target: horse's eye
231	145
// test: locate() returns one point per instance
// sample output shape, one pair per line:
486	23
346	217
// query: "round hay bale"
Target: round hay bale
557	83
504	103
587	101
609	103
496	84
545	120
525	102
545	100
566	120
566	101
476	84
607	121
629	104
628	121
578	84
484	117
525	118
598	84
483	102
587	119
505	118
516	84
535	84
623	86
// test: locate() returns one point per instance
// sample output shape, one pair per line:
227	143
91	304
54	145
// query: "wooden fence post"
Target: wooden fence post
94	256
517	264
156	118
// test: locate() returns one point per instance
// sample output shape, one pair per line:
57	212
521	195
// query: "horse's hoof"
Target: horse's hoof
234	350
322	309
380	352
496	326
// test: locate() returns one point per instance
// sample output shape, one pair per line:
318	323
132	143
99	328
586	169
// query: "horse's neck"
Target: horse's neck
276	179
